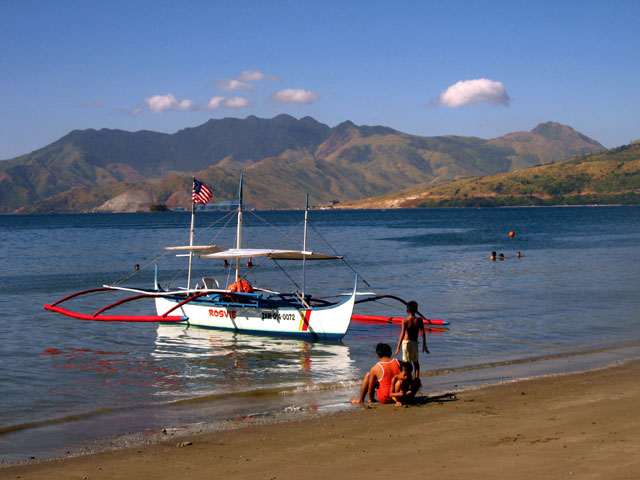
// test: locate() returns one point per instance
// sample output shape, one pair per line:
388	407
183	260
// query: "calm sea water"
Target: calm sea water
66	382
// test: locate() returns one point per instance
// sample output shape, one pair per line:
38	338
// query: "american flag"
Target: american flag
200	193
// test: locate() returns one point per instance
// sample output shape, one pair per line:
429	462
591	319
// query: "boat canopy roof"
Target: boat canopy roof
271	253
197	248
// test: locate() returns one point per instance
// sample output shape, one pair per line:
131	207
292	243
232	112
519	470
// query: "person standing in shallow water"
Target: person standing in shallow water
412	326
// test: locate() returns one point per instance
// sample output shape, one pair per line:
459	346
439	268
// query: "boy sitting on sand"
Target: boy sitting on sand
403	387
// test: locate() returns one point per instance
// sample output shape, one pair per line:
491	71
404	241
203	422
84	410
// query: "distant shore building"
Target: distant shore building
226	205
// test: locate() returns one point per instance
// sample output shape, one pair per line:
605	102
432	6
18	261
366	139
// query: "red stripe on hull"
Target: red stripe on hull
305	324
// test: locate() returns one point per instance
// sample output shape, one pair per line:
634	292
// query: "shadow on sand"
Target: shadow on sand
423	400
426	399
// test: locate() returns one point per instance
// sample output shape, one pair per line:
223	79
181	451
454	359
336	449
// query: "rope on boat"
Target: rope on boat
229	216
287	236
282	232
343	260
262	260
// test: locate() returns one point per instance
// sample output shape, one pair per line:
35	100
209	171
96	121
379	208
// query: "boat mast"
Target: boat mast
239	233
304	243
191	242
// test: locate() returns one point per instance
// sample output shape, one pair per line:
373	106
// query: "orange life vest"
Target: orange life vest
241	286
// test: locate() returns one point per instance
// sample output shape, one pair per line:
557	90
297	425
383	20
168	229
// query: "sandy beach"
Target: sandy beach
584	425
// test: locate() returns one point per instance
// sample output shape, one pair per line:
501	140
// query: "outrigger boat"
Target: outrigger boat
258	311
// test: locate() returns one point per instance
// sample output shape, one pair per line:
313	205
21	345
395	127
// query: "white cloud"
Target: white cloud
228	85
470	92
237	102
186	105
161	103
255	75
215	103
294	95
242	80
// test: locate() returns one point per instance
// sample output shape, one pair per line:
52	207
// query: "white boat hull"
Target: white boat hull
317	323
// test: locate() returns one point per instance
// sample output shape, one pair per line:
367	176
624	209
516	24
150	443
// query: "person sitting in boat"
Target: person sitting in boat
377	381
240	286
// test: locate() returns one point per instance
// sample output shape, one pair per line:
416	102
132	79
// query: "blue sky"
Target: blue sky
426	68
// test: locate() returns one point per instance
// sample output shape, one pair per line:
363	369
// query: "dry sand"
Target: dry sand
583	426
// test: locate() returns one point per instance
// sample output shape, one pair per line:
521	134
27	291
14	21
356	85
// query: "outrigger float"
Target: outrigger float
254	310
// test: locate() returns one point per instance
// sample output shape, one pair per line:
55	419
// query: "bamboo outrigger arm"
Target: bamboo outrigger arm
386	319
97	316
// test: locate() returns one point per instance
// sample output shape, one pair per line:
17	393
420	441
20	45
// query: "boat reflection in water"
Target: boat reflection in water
217	363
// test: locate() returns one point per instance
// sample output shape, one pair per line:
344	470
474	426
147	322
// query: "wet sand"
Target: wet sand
584	425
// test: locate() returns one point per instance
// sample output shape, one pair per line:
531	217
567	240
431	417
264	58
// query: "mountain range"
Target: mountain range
282	159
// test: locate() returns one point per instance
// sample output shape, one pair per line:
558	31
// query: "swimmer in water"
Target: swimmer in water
502	256
493	255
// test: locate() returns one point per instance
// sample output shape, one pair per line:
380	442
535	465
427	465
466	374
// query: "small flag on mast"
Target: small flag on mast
200	193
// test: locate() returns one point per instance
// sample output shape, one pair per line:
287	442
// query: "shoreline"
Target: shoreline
106	430
339	208
584	423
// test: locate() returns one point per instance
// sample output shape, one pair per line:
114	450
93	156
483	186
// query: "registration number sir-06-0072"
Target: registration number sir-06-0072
275	315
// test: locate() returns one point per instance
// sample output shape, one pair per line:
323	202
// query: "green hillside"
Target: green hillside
608	177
